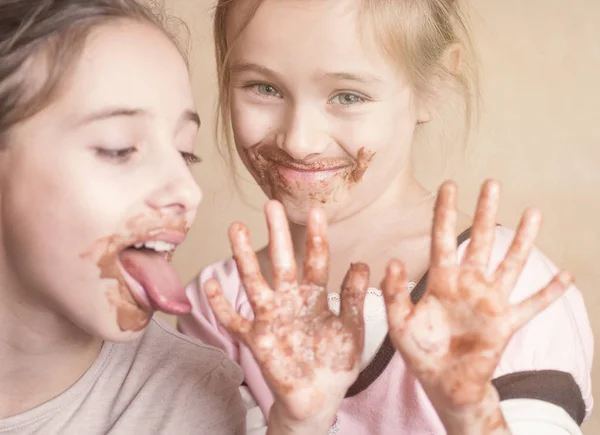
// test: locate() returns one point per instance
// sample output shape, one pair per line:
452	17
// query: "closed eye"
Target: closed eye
120	154
190	158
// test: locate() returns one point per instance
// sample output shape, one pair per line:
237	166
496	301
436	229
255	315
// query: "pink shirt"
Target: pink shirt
549	359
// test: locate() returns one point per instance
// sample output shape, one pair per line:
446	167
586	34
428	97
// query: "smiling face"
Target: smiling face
320	115
103	168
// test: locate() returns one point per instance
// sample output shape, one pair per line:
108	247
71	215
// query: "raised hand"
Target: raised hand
452	340
308	355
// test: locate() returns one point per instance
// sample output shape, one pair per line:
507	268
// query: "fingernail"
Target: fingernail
565	277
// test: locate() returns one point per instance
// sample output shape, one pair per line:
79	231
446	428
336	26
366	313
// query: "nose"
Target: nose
177	194
302	136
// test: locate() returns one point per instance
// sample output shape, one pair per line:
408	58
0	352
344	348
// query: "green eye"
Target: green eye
267	90
347	99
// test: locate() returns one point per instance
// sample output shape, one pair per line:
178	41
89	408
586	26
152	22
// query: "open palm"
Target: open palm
309	356
452	340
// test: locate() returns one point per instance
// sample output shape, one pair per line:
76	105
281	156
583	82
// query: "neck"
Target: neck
42	353
393	212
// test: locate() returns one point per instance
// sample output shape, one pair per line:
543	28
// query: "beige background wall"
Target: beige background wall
539	134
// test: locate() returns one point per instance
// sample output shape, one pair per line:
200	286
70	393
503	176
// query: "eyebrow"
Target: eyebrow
251	67
120	112
191	115
359	77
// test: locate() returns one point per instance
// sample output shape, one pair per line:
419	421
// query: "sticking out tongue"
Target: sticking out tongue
158	278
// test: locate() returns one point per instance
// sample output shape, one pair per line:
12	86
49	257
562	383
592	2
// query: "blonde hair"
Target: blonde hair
415	34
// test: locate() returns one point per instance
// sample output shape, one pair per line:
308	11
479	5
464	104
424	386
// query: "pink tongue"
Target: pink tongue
158	278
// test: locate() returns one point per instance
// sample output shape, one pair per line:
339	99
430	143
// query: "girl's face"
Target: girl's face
320	116
99	170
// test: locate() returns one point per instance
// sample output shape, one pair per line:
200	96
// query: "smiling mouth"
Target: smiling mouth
300	170
309	175
320	166
325	165
145	266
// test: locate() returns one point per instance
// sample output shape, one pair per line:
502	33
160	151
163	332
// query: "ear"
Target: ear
451	65
424	110
452	58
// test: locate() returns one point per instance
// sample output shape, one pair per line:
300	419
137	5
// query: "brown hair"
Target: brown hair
415	34
48	36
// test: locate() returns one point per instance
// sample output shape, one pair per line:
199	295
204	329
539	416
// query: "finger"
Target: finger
354	289
316	260
484	227
280	246
247	264
223	310
397	298
526	310
509	270
443	237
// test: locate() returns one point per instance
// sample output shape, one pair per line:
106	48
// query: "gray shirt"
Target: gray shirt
161	383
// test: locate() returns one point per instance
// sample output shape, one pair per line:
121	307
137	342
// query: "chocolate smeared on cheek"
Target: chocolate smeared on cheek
268	176
265	169
363	160
130	314
258	165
